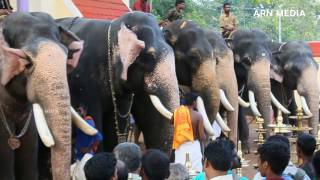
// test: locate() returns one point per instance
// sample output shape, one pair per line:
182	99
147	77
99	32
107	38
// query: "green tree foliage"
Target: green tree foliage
207	12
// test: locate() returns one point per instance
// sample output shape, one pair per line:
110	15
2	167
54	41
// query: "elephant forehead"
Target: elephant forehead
48	52
166	68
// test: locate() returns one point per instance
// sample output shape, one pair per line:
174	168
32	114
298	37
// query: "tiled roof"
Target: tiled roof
101	9
315	47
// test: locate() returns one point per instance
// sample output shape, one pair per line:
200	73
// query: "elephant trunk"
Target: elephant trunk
228	82
48	87
307	88
205	83
259	83
165	87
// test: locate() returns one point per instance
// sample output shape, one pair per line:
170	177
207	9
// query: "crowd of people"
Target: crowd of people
218	161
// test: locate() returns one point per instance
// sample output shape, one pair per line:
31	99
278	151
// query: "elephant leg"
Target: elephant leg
44	164
154	135
27	154
6	156
243	131
110	135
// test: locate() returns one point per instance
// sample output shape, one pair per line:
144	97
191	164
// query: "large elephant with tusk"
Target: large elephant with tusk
227	81
252	58
35	54
294	75
123	57
196	66
196	70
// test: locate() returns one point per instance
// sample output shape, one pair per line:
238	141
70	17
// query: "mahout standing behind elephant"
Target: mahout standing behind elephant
34	55
123	57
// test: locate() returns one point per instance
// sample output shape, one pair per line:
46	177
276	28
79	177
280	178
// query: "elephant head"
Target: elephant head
227	80
196	65
146	60
148	70
252	64
293	66
34	60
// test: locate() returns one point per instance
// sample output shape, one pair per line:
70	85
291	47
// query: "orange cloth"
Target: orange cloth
182	127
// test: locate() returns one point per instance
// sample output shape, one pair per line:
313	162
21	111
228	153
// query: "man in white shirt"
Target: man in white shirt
218	158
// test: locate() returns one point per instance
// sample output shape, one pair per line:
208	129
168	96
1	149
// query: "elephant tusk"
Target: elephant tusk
253	105
42	127
305	107
243	103
160	107
297	99
206	122
82	124
222	124
225	101
278	104
302	103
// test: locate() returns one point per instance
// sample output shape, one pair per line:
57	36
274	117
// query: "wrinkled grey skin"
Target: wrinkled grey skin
195	67
195	63
252	66
227	79
294	67
152	72
43	80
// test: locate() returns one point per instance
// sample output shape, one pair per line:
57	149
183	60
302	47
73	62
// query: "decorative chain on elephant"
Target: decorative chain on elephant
135	60
33	74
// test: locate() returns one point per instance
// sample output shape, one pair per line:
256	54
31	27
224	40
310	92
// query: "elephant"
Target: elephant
227	80
35	54
195	68
294	68
123	57
252	58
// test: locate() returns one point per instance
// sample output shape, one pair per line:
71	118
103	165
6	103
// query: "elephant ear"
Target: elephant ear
13	62
74	45
170	39
236	57
129	48
276	71
229	43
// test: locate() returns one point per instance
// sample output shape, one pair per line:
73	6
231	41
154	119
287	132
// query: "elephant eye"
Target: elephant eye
30	64
247	61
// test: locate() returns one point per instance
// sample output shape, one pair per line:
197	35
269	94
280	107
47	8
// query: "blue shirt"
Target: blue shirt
284	176
84	140
202	176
